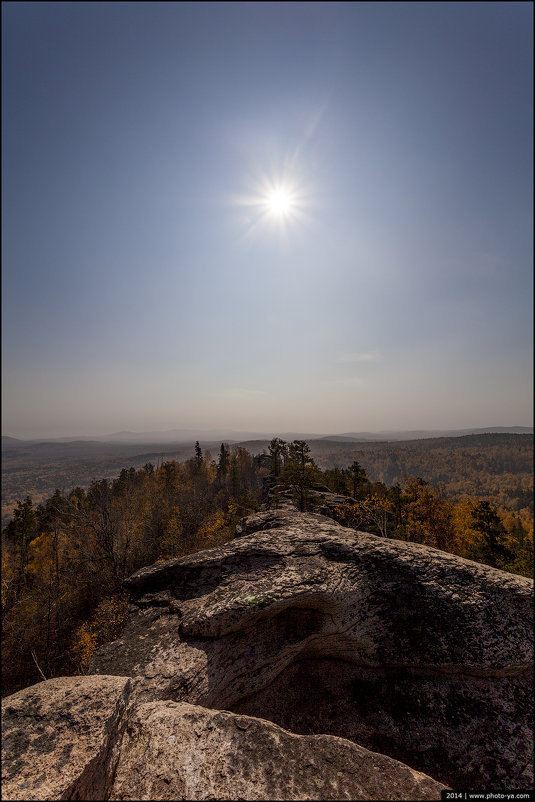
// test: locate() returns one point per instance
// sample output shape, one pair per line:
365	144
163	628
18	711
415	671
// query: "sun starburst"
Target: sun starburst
277	202
280	201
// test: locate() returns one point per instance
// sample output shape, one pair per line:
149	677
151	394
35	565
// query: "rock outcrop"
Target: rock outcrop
369	653
401	648
319	498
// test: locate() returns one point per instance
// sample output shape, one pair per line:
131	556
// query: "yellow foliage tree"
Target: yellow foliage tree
106	624
84	645
464	535
372	510
170	540
213	531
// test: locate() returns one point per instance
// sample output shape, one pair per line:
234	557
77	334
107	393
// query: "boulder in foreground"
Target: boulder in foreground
181	751
74	738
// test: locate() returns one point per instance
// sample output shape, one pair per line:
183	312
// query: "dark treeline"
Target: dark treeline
64	560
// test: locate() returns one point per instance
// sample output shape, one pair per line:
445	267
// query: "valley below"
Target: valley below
493	466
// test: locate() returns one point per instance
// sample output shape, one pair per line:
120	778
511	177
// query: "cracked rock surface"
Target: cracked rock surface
226	756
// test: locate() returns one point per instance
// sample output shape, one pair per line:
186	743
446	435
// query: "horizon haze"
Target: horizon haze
309	217
188	436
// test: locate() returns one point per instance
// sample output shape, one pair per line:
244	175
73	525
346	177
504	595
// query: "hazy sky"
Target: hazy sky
149	284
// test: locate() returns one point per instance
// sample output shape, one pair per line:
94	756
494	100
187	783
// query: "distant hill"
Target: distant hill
184	436
13	442
348	438
420	434
202	435
168	437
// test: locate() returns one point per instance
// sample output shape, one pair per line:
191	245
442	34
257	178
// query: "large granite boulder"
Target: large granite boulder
401	648
83	738
174	750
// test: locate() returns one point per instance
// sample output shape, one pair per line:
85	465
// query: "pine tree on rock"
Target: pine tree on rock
299	470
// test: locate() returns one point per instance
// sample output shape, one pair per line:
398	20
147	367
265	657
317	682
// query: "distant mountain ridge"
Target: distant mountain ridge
421	434
175	436
171	436
11	442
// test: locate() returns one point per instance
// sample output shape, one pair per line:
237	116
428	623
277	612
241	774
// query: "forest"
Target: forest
64	559
497	466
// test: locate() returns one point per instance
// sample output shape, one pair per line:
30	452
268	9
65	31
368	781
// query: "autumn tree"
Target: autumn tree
373	511
48	552
105	624
427	515
520	543
198	457
104	525
20	531
336	480
223	463
395	494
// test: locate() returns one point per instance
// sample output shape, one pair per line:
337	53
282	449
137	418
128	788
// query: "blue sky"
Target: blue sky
147	283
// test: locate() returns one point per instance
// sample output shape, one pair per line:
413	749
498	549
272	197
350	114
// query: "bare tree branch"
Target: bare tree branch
37	664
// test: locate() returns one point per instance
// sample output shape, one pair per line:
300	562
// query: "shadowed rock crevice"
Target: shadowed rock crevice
396	711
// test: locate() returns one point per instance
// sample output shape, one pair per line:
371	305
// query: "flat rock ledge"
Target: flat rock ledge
76	738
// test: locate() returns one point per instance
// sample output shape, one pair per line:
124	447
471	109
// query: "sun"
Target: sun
279	201
276	202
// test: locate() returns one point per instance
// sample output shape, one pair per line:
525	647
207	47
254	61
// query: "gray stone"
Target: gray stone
59	738
76	738
180	751
401	648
